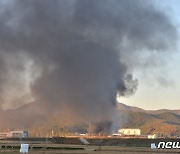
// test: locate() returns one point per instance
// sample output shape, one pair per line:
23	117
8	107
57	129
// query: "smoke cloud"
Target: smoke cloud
68	56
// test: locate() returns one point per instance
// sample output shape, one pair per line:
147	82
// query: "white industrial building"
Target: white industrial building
14	134
153	136
129	132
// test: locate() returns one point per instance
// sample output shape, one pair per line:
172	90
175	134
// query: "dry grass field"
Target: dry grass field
92	150
108	146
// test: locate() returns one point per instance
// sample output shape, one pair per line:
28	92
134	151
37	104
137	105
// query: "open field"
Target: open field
94	150
74	146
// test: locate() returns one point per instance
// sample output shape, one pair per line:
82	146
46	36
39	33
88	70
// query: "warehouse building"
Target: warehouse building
129	132
14	134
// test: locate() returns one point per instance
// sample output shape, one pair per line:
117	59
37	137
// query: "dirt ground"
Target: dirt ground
96	150
110	146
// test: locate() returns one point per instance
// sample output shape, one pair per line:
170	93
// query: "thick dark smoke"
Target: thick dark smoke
101	127
67	55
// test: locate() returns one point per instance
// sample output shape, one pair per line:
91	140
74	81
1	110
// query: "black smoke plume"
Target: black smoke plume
68	55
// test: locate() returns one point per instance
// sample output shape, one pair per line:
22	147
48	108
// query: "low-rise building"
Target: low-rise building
14	134
129	132
152	136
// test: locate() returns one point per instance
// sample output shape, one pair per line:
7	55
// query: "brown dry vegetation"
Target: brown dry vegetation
167	124
94	150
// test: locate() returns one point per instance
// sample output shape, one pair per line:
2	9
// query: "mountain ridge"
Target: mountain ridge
122	106
149	121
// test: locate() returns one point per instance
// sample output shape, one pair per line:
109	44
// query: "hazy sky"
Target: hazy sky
159	86
156	71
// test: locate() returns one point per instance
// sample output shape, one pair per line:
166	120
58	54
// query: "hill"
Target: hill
123	107
150	122
165	123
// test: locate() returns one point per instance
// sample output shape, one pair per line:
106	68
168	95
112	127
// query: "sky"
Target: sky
151	93
49	55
